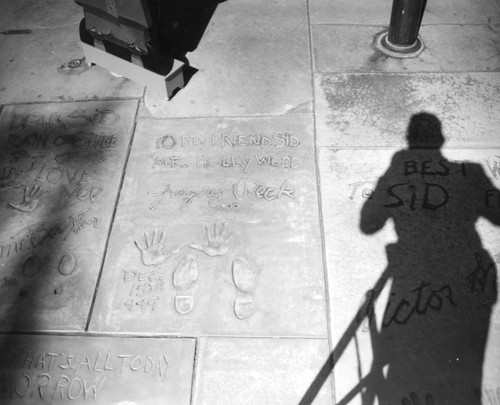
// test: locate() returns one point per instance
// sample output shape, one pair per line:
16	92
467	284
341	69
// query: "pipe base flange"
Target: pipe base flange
383	44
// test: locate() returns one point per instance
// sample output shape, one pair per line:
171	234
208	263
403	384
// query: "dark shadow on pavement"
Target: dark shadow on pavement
182	25
48	164
431	344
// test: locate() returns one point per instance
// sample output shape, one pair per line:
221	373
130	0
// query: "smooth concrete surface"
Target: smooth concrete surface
247	75
36	66
478	46
266	371
29	14
378	12
101	370
228	203
61	171
241	225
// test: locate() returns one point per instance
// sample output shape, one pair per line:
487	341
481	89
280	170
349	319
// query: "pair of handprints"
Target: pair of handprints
153	251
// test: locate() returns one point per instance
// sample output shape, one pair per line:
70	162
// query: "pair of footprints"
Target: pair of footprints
186	274
33	265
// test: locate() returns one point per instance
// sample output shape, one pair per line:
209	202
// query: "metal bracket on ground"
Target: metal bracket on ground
163	85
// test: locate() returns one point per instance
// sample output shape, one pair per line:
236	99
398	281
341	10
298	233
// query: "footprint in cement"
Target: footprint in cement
67	264
184	277
31	266
245	280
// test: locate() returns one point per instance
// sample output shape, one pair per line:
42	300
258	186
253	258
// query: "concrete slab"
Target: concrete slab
366	110
378	12
30	14
421	221
344	12
259	371
211	237
253	59
448	48
26	79
61	166
100	370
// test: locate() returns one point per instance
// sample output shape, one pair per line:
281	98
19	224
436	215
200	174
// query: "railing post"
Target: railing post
402	39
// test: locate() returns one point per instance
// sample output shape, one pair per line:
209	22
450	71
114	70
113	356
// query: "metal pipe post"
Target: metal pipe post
402	40
406	16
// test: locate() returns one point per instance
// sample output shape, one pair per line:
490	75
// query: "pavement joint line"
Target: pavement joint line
391	148
200	117
112	220
127	335
438	24
59	27
420	72
350	25
91	335
71	101
196	365
298	337
321	223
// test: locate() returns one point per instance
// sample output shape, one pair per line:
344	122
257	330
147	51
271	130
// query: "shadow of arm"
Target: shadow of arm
489	206
374	214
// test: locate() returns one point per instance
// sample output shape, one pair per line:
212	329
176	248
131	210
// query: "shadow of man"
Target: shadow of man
431	344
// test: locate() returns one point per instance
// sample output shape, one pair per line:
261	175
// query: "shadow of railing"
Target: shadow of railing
366	311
